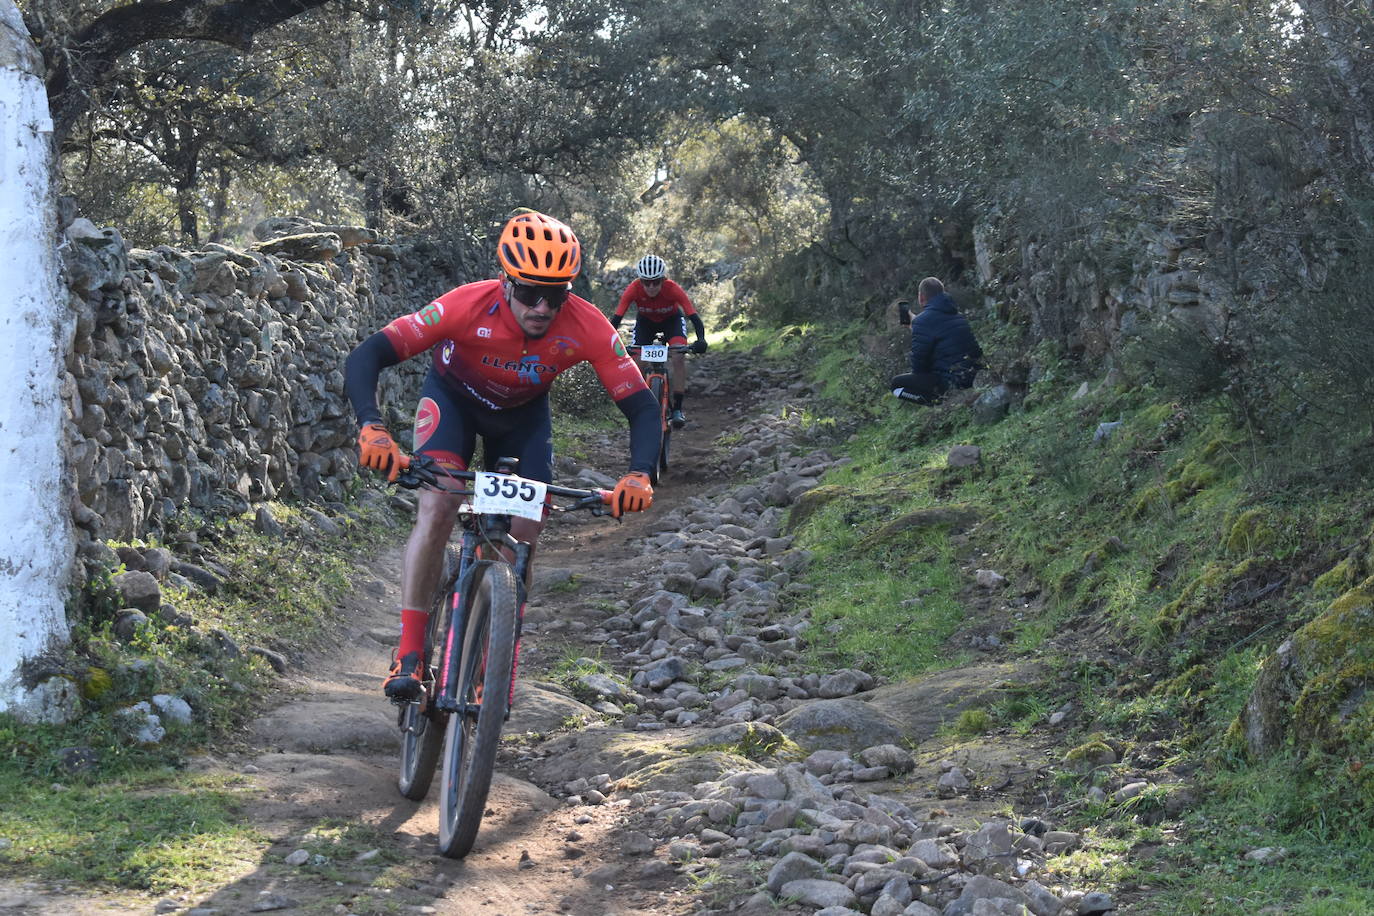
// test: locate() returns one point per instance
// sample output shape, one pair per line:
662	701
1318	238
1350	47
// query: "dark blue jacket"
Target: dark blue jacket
942	342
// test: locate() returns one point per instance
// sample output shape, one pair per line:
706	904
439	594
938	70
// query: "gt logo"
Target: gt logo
484	332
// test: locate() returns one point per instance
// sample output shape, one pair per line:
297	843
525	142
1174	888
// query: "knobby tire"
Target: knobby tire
657	387
470	743
422	733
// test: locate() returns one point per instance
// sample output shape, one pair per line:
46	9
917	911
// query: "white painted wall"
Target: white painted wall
36	541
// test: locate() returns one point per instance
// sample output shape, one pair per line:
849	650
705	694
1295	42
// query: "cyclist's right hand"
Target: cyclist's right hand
377	450
633	493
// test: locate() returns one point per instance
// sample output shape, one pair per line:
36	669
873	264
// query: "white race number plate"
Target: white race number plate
507	494
654	353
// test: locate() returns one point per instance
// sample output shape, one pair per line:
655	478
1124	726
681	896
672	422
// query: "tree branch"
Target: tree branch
87	61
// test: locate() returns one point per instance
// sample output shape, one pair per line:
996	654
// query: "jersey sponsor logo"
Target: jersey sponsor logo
480	397
491	309
618	345
530	369
446	354
566	346
431	314
426	421
484	332
622	389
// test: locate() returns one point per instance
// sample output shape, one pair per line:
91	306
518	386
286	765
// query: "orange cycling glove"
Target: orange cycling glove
632	494
377	450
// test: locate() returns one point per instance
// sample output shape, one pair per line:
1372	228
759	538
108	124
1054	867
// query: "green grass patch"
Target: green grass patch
1200	865
86	801
885	607
154	829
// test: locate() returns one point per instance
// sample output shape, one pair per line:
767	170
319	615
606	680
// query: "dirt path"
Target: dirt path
324	764
339	838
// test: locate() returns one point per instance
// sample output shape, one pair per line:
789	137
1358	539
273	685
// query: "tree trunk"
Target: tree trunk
219	208
36	543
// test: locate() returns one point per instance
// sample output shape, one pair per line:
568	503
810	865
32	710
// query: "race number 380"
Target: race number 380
654	353
506	494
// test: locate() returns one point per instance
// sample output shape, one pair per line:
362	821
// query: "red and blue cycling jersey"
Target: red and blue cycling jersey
670	302
482	352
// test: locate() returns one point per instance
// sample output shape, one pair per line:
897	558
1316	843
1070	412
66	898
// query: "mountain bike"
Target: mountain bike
470	655
655	368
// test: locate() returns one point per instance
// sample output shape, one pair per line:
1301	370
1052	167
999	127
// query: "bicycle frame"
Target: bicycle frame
480	531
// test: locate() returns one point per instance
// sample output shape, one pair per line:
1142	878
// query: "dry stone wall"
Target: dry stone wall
204	381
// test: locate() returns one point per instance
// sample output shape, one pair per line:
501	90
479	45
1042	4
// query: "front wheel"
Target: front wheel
474	731
422	726
663	449
658	388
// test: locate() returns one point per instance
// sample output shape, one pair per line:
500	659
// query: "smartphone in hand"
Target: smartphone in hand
904	312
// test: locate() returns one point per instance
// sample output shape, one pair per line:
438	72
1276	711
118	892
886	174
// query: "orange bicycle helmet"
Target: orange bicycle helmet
539	249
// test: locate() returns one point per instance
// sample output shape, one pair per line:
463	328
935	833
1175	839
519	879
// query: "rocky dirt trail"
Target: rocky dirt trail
669	752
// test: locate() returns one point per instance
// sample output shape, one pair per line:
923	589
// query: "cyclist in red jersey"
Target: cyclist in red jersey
497	346
662	307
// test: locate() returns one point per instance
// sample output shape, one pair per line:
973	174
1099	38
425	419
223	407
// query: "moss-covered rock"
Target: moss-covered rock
1205	591
1357	566
1250	533
952	518
1090	755
1189	478
813	501
681	774
1317	689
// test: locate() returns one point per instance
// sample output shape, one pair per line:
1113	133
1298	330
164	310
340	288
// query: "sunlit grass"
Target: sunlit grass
154	830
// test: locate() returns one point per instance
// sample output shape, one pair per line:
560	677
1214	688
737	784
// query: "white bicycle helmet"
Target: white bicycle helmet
650	267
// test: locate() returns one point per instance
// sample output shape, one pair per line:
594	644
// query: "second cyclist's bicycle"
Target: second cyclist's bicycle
654	358
470	650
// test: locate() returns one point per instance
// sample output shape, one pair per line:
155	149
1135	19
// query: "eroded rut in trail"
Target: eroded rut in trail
878	831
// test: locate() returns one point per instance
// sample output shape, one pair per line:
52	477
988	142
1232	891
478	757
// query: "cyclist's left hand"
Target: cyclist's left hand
697	346
633	493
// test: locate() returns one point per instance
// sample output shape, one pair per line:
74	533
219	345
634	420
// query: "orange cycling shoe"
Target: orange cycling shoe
377	450
633	493
404	681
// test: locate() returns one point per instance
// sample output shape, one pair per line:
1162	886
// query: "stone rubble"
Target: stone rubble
722	612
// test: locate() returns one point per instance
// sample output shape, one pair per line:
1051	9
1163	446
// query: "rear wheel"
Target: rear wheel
422	726
474	732
658	388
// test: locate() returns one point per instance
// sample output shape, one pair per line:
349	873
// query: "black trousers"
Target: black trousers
919	387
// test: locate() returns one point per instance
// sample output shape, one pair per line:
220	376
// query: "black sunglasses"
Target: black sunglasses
531	296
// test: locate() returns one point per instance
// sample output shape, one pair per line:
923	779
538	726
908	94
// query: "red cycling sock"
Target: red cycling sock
413	626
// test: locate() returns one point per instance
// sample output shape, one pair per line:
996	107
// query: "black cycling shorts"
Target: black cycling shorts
447	425
673	330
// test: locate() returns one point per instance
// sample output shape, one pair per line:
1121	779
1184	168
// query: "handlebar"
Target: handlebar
421	471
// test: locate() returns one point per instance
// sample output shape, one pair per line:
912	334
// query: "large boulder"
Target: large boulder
1315	688
920	707
839	725
308	246
542	708
661	759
